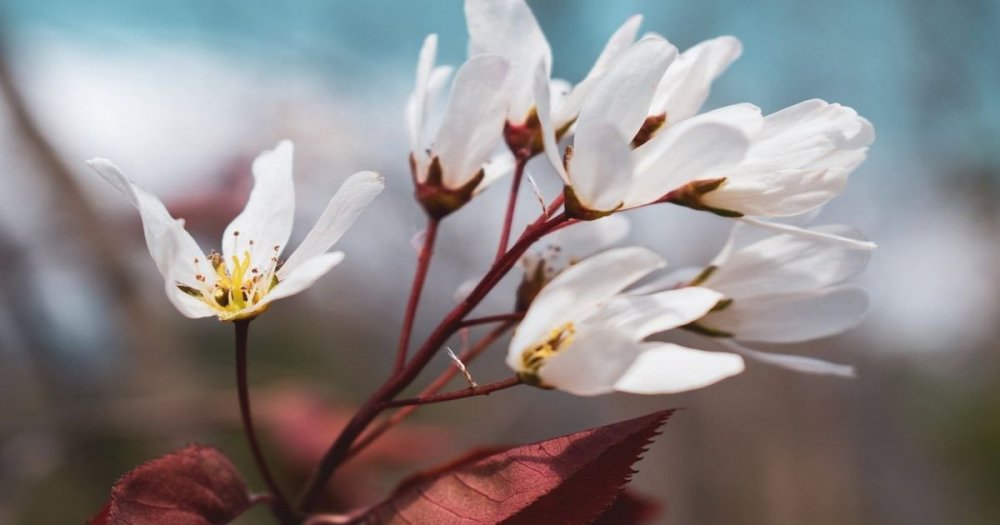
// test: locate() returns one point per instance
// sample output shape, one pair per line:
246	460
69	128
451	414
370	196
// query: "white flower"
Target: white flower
452	157
509	29
563	248
582	336
731	161
248	275
798	161
780	289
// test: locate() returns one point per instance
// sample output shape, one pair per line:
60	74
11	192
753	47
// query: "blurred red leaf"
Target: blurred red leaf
196	485
629	508
570	479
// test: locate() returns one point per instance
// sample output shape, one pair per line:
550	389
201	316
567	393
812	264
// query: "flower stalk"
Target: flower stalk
279	503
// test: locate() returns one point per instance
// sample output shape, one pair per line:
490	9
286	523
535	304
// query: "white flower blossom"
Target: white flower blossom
732	161
581	335
509	29
453	156
565	247
782	288
242	281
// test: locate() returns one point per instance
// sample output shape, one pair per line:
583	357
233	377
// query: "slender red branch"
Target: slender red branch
440	382
520	161
472	391
338	451
419	278
516	316
279	504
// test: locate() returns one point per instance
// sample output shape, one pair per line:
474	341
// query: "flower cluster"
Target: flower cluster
587	316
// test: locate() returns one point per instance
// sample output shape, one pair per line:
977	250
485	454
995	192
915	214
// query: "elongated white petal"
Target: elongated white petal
692	150
789	263
345	206
473	121
544	111
601	170
186	304
622	96
688	81
416	105
790	318
499	166
173	249
640	316
666	368
797	363
809	134
763	191
266	221
810	233
303	276
565	111
579	291
592	364
508	28
746	118
671	280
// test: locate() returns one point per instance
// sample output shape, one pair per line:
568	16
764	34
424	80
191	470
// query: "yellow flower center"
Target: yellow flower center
238	286
533	357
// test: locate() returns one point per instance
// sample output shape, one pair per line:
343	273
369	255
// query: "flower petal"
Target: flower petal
592	364
173	249
640	316
601	170
666	368
763	191
566	110
790	318
805	232
473	122
303	276
688	81
266	221
345	206
788	263
579	291
508	28
416	105
544	111
622	96
810	134
692	150
797	363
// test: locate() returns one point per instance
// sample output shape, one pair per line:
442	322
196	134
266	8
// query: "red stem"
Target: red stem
516	316
419	278
279	504
472	391
339	450
435	386
520	160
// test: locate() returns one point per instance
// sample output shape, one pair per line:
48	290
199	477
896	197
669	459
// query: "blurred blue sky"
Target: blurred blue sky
927	73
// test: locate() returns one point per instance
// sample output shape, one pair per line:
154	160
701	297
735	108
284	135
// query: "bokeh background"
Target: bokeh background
99	373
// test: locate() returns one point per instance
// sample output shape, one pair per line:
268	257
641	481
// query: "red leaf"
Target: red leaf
193	486
629	509
570	479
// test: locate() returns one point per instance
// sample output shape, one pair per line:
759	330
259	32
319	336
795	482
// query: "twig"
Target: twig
436	386
516	316
419	278
472	391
